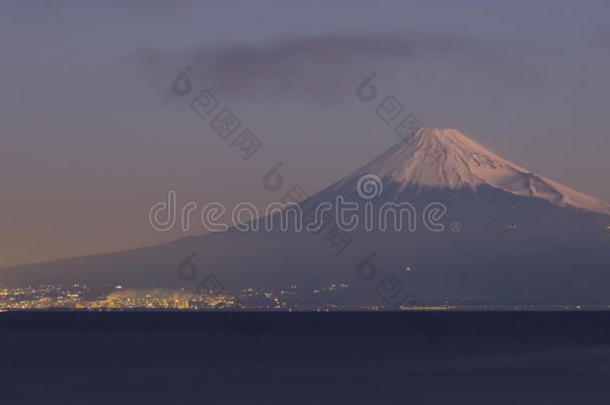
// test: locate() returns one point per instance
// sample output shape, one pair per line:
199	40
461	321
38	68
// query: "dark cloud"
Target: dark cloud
324	68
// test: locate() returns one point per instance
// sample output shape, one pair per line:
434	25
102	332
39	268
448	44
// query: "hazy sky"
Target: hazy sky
91	135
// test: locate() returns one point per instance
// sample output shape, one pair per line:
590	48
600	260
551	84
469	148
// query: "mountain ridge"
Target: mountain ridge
446	158
514	244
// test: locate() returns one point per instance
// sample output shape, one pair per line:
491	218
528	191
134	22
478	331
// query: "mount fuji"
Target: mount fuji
437	159
509	236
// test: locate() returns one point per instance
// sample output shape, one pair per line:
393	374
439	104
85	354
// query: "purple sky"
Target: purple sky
91	135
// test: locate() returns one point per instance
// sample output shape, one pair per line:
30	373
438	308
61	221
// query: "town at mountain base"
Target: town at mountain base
509	237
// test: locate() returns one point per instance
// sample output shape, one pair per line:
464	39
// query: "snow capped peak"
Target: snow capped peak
446	158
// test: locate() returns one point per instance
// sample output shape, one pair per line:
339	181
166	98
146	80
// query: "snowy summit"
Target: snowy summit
447	159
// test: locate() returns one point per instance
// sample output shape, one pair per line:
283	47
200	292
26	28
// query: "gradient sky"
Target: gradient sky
91	135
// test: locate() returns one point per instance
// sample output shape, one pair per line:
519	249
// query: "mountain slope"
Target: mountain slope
447	159
509	236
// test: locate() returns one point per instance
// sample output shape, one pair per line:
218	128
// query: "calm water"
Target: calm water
322	358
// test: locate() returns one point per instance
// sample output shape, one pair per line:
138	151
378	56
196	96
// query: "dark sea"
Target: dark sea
304	358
